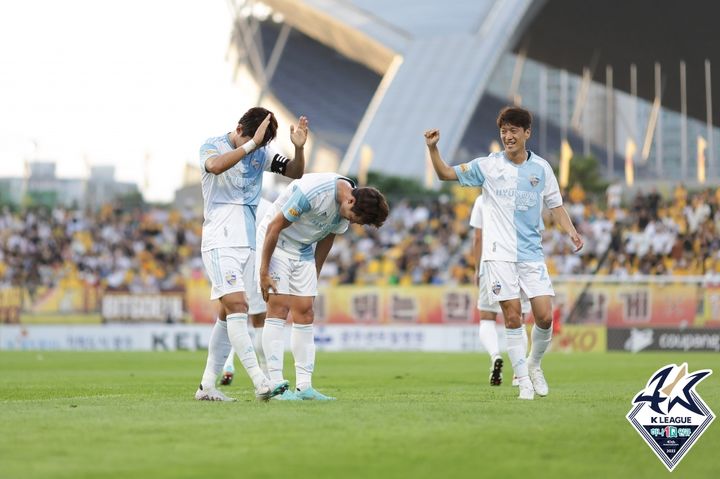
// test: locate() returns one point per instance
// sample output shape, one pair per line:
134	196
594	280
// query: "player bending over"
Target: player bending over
309	213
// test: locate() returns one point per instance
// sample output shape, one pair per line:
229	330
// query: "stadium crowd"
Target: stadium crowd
141	250
427	241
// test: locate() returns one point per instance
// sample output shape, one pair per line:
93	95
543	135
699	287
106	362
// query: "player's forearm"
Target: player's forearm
221	163
269	245
322	250
477	249
562	218
296	167
443	171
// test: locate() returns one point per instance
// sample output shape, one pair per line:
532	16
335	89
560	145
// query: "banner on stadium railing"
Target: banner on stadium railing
396	305
191	337
634	304
183	337
165	307
612	304
66	302
574	338
663	339
108	337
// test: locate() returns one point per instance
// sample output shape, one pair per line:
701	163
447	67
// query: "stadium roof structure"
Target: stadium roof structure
382	72
571	34
434	67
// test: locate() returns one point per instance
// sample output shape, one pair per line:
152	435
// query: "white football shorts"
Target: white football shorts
483	302
292	275
230	270
507	280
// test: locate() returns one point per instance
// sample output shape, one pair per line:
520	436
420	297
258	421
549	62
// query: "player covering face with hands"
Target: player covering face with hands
516	184
232	168
294	240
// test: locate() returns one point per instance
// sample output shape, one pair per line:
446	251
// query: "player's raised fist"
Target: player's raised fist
432	137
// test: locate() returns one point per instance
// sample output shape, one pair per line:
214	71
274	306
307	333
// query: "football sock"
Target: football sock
302	343
218	349
540	341
488	337
258	344
273	339
516	351
237	329
230	361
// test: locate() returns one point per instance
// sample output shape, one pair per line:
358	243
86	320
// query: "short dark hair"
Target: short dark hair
516	116
251	120
370	206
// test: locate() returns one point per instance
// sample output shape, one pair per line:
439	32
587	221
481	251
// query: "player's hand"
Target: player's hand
259	136
298	134
577	241
267	284
432	137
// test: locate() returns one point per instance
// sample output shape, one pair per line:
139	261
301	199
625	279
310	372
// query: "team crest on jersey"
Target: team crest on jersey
669	413
534	180
496	287
465	167
230	278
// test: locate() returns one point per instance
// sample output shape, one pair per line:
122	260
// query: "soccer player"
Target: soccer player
489	312
232	170
256	315
293	241
516	182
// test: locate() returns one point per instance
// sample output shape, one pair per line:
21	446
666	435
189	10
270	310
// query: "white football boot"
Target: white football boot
211	394
526	389
538	379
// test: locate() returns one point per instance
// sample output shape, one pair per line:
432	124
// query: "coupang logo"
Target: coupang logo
669	413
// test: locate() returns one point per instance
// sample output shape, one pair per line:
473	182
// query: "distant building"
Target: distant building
42	186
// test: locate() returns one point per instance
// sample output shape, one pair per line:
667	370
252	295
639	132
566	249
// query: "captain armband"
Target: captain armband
279	164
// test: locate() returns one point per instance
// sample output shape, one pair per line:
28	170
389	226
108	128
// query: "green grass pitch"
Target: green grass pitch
409	415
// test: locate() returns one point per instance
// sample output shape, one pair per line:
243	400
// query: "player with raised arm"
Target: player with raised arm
488	312
516	183
293	241
232	171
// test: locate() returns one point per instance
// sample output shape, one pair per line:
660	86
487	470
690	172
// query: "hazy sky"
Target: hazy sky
110	82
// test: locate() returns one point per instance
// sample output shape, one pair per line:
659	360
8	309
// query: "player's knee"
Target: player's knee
257	320
544	321
304	316
235	306
277	310
513	321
